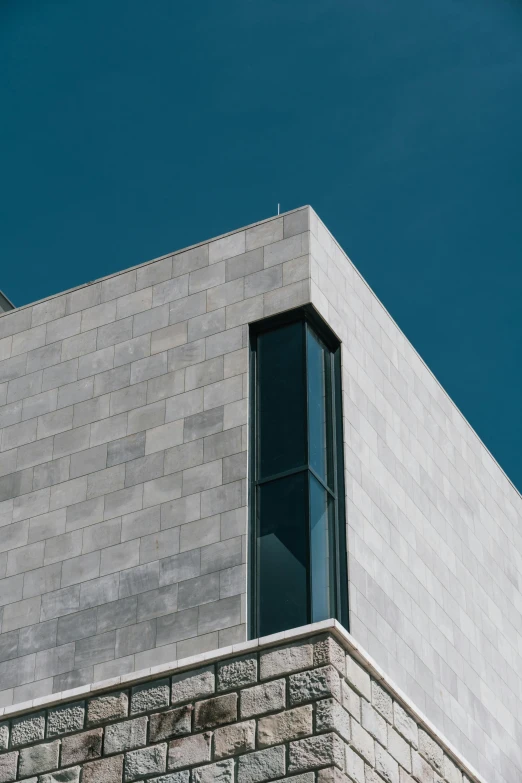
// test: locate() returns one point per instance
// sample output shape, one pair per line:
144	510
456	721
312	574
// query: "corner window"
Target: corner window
298	544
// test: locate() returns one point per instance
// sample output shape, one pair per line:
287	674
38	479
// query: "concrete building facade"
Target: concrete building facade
124	531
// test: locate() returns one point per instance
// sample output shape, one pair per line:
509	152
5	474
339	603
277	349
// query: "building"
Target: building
245	534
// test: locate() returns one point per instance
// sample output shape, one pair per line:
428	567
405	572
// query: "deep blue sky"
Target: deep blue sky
129	129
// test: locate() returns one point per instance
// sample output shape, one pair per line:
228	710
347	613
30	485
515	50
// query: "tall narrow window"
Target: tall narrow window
297	487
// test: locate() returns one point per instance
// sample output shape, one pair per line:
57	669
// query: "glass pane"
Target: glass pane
318	360
281	400
283	554
322	556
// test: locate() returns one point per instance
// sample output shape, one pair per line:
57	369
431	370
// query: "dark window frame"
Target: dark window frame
309	318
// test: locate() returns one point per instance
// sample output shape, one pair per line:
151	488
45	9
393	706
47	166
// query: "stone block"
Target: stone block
4	736
237	672
452	773
285	726
235	739
373	722
326	651
382	701
385	765
261	765
108	707
421	771
220	772
400	750
125	736
215	712
351	700
431	751
362	742
27	729
38	759
316	752
315	684
173	723
65	719
405	725
8	765
104	771
193	685
331	716
354	765
71	775
145	762
284	660
150	696
190	750
358	678
268	697
82	747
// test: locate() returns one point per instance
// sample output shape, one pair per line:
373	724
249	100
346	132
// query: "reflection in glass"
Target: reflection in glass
318	424
281	400
321	551
283	569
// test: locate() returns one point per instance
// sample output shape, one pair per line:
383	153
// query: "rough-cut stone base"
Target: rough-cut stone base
303	712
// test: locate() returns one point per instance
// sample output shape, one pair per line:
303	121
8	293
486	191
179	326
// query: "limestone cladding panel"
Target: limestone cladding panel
187	727
123	445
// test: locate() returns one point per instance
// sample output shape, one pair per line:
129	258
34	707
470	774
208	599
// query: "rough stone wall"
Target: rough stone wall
434	529
305	712
123	416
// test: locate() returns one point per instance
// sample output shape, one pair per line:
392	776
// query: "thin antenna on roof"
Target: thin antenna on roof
278	208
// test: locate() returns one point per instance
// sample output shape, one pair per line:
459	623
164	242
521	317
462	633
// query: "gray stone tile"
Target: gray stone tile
198	591
264	233
81	569
60	374
60	603
102	535
151	367
132	350
204	325
180	511
204	373
135	638
170	290
38	637
95	649
112	380
119	557
114	333
88	461
43	357
187	455
42	580
185	355
76	626
117	614
50	473
79	391
203	424
105	481
148	416
221	555
128	398
157	603
140	523
176	626
126	449
99	592
157	545
139	580
188	307
219	614
80	515
144	469
165	386
245	264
